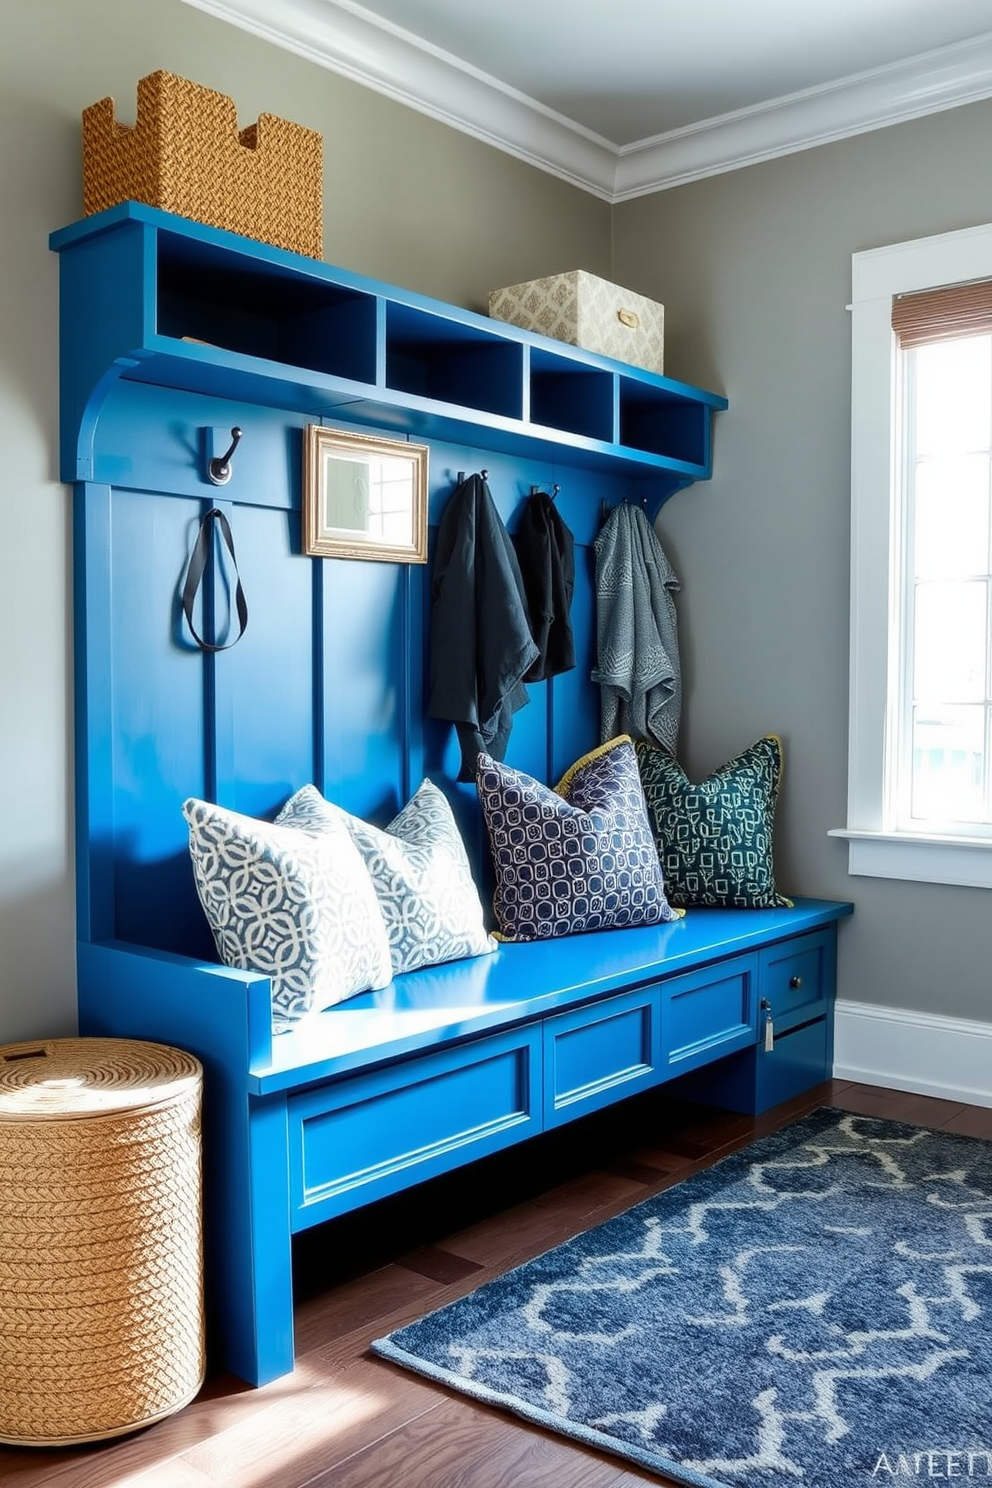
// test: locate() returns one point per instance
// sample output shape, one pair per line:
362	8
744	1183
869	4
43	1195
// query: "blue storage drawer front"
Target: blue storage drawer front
708	1013
797	1062
380	1132
797	978
754	1080
598	1054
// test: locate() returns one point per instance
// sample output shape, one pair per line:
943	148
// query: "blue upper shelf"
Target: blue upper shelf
156	298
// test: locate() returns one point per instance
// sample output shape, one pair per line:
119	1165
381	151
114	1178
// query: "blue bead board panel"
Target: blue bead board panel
329	682
172	334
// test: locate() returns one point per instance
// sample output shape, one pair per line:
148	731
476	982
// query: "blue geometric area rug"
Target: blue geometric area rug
814	1311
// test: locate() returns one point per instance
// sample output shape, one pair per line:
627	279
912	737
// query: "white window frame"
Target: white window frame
875	847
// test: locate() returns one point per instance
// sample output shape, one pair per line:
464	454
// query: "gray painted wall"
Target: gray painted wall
754	271
406	200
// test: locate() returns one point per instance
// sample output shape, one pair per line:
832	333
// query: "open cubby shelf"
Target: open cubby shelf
167	301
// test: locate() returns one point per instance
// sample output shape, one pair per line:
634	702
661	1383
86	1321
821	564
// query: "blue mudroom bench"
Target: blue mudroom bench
173	334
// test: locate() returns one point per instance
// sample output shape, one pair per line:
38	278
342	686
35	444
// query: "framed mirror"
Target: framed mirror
364	497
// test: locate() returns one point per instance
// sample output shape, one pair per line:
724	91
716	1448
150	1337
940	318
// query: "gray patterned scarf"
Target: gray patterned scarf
636	632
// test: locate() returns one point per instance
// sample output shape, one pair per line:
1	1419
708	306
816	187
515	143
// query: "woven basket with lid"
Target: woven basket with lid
101	1296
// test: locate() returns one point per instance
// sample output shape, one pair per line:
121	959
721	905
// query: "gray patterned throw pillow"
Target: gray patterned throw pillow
299	909
420	872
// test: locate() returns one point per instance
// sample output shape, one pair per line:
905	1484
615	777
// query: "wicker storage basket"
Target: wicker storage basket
101	1298
185	155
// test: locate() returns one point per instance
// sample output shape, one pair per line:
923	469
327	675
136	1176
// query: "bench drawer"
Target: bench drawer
755	1080
797	1062
708	1013
598	1054
796	978
381	1132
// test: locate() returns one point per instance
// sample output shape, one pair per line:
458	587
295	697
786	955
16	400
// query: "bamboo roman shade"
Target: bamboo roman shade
939	314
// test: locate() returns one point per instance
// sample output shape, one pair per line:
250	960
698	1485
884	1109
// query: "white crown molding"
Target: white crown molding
926	1053
346	38
348	41
926	84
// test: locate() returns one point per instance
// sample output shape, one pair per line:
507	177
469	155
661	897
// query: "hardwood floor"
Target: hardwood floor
345	1419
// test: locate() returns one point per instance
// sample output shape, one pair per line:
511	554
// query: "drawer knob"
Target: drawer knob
795	983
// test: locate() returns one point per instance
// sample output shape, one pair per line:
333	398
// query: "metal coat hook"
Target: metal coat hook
459	478
219	468
536	490
605	508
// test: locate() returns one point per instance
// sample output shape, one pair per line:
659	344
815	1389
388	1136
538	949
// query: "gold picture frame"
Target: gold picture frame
364	496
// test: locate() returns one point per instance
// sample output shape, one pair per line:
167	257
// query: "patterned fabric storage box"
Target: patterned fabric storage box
586	311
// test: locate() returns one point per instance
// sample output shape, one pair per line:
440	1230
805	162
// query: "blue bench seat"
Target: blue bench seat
452	1063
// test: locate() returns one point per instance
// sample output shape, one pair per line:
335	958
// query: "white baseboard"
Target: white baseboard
921	1052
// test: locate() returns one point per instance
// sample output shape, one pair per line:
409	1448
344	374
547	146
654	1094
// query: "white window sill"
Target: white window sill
946	860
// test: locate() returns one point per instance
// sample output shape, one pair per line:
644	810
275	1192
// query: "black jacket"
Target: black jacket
481	644
545	551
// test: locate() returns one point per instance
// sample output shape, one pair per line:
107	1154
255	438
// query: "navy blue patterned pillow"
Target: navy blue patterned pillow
715	838
580	857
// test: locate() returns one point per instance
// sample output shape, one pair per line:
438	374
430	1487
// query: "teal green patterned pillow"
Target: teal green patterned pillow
714	839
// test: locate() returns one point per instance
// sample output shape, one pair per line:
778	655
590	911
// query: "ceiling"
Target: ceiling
636	95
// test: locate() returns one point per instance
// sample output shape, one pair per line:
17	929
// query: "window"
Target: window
941	769
920	769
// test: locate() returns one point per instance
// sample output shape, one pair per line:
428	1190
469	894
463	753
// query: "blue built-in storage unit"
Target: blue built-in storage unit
149	289
173	334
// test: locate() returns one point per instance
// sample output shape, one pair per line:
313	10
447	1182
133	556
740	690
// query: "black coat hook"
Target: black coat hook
219	469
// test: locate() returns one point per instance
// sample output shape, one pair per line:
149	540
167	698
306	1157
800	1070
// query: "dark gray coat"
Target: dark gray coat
480	645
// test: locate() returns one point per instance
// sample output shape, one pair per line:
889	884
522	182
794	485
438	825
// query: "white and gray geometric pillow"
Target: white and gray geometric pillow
299	909
420	871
